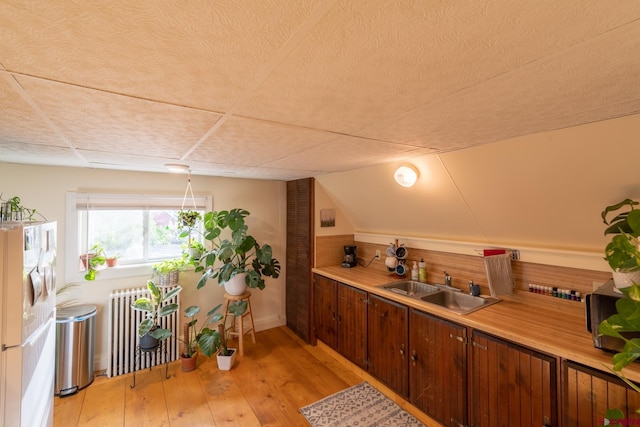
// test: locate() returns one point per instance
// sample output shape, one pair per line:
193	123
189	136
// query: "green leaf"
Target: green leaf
191	311
238	308
161	334
143	304
613	415
145	326
209	341
168	309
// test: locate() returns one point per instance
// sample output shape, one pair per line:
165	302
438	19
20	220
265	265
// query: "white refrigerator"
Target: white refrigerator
27	323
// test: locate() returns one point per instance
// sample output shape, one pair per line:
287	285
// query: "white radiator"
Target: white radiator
122	345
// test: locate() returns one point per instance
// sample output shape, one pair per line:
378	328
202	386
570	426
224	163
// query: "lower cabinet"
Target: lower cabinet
589	393
340	313
438	368
388	343
511	385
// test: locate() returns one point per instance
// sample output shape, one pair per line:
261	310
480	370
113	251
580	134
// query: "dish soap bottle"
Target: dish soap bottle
414	272
422	272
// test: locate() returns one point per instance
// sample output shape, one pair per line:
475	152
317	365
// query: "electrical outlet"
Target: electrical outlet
515	255
377	254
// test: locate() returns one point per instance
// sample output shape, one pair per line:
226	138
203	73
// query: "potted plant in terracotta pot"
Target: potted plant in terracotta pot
157	305
238	261
622	251
206	339
112	260
93	259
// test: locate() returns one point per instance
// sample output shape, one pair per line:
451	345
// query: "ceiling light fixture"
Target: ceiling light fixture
406	176
177	168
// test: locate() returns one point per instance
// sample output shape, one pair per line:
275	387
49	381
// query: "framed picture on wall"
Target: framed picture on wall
327	217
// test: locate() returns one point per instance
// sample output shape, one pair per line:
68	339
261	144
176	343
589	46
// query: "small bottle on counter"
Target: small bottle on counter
414	272
422	271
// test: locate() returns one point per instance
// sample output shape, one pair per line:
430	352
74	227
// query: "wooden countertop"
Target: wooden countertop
547	324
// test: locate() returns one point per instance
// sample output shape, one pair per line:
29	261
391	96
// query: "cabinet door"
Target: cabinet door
589	393
438	368
387	343
324	290
511	385
352	324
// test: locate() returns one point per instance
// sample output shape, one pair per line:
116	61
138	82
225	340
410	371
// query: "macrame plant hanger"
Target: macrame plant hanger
188	190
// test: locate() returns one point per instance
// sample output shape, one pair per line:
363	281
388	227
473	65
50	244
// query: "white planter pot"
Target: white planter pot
625	279
237	285
225	363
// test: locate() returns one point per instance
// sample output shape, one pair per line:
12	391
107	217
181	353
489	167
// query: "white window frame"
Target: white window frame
80	201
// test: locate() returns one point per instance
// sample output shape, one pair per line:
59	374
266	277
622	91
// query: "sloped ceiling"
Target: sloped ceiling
285	89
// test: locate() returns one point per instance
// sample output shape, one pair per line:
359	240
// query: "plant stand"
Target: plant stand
161	349
241	330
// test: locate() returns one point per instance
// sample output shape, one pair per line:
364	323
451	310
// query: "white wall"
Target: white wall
44	188
543	191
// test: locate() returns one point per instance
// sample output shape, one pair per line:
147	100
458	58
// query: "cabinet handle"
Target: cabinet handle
414	357
402	351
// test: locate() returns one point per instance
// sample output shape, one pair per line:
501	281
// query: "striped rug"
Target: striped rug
360	405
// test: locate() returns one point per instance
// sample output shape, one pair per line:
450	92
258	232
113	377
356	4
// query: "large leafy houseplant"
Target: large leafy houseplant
93	259
205	338
157	305
626	320
234	254
622	251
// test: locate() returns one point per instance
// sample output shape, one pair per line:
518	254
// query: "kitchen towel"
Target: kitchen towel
499	274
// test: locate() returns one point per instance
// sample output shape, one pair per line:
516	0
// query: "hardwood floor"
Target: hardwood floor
267	386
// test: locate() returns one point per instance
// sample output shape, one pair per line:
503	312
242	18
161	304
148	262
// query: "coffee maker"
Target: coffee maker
350	259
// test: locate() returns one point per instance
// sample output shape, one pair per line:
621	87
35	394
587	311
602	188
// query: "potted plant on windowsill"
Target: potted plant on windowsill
93	259
112	260
622	251
168	271
157	305
238	261
206	339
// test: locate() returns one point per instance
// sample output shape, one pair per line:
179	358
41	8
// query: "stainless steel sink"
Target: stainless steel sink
452	299
458	302
411	288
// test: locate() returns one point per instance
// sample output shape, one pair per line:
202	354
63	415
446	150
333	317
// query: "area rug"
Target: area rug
360	405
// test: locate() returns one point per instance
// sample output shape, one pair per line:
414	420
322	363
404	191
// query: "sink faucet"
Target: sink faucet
447	278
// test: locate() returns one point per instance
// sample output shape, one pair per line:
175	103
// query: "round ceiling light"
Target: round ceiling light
406	176
176	167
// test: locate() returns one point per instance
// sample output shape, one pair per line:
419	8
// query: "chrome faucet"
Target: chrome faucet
447	279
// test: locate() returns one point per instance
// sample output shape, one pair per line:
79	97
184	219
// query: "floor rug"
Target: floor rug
360	405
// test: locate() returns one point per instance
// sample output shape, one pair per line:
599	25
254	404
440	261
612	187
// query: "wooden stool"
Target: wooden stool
241	331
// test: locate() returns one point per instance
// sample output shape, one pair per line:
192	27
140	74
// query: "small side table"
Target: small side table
161	349
241	331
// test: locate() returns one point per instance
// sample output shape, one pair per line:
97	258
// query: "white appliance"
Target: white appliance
27	323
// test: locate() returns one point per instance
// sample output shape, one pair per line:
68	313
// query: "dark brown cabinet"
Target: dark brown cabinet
589	393
438	368
511	385
352	324
325	310
341	318
388	343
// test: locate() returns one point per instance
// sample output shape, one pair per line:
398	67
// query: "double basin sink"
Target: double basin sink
447	297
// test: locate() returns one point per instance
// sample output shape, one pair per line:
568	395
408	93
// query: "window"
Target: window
139	229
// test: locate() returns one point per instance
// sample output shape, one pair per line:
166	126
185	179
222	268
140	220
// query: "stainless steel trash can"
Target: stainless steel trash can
75	341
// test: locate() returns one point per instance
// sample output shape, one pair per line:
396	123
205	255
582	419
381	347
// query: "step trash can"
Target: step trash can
75	341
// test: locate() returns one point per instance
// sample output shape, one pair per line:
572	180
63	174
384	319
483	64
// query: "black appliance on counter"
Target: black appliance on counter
599	306
350	257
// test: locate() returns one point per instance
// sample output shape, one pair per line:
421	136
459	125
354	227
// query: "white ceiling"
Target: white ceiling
285	89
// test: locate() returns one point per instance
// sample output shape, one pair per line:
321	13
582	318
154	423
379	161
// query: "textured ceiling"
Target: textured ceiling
285	89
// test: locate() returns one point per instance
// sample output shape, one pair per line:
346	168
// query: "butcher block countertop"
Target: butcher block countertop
544	323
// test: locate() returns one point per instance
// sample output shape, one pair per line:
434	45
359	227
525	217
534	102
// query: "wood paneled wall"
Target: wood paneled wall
462	268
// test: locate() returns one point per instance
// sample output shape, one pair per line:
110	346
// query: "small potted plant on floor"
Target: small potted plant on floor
622	251
205	338
226	356
238	261
157	305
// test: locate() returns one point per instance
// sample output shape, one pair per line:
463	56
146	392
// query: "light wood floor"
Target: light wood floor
267	387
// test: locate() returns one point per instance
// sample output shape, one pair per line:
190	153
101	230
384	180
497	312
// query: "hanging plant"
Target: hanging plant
188	219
